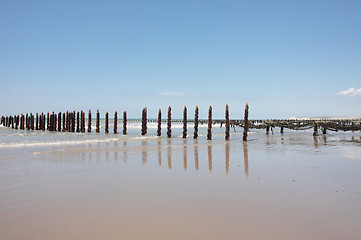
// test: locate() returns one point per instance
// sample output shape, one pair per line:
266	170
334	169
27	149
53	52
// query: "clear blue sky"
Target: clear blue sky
286	58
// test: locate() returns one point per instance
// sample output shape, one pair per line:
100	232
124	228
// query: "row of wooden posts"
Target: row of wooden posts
75	122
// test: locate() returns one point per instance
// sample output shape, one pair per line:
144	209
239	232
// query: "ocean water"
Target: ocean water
106	186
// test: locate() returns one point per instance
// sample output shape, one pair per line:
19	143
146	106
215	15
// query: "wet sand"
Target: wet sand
293	186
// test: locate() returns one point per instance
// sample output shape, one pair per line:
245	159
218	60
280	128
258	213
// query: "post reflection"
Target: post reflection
185	154
169	153
125	155
196	161
245	156
144	152
160	153
227	158
210	158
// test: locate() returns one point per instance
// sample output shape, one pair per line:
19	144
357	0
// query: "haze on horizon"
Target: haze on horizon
285	58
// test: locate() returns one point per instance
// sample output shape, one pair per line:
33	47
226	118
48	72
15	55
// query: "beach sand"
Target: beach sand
292	186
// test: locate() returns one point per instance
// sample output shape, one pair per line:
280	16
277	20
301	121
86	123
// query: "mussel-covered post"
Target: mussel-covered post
77	122
82	129
59	122
169	123
144	121
209	134
106	122
315	129
125	122
185	122
97	123
115	122
227	122
159	129
245	130
90	121
196	113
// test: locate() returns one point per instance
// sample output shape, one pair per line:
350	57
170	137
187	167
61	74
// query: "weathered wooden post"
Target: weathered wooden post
90	121
124	122
209	134
64	122
195	136
97	123
32	121
185	122
106	123
115	122
73	122
227	123
16	121
267	129
78	122
67	121
44	122
82	129
37	121
282	130
48	121
169	123
315	129
59	122
245	130
324	130
55	121
144	121
12	122
159	130
22	125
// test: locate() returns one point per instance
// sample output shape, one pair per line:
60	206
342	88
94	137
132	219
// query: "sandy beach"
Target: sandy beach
291	186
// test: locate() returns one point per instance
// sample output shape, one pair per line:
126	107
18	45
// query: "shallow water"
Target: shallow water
97	186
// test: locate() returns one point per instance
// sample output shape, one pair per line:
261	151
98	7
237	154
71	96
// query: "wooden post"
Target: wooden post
64	122
169	123
159	130
267	129
82	125
59	122
16	121
282	130
209	134
115	122
97	123
22	126
324	130
12	122
315	129
37	121
124	122
196	123
90	121
48	121
185	122
73	122
67	121
55	121
77	122
227	122
106	123
245	132
144	121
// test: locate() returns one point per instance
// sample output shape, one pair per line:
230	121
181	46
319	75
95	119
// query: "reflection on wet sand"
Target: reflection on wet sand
144	152
185	154
227	158
196	161
210	158
125	155
245	156
160	153
169	153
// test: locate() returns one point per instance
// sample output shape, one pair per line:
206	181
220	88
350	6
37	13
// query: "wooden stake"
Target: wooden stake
124	122
115	122
227	123
144	121
106	123
90	121
245	132
196	123
159	130
169	123
97	123
77	122
59	122
209	134
185	122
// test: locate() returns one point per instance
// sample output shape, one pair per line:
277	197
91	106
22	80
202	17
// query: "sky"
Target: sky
285	58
